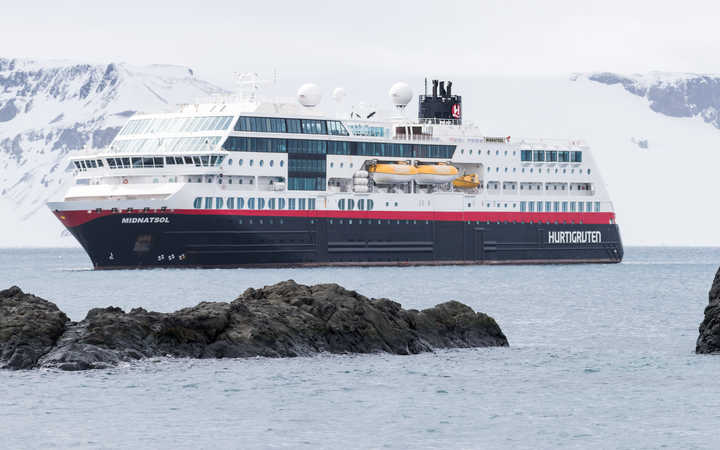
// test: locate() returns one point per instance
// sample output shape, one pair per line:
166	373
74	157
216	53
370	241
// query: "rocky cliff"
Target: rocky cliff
709	339
283	320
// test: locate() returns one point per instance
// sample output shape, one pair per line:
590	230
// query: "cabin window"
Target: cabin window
271	203
564	206
311	203
251	203
260	203
208	202
281	203
301	203
350	204
218	202
341	204
231	203
197	203
291	203
361	204
597	206
240	203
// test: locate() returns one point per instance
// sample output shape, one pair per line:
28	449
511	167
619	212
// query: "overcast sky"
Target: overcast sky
218	38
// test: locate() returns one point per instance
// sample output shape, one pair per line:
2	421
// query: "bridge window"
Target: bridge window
313	126
539	155
261	124
526	155
293	126
335	127
564	156
576	157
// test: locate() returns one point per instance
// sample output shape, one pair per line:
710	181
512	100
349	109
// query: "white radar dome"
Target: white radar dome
309	94
400	94
338	94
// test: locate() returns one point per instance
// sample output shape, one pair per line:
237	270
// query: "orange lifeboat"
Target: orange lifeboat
395	173
435	173
471	181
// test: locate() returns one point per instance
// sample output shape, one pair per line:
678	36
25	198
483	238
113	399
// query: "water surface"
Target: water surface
601	356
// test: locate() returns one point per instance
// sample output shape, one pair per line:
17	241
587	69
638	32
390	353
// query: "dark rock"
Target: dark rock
709	339
283	320
29	328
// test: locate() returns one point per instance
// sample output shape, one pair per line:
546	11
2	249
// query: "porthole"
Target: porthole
230	162
341	165
332	165
261	162
239	162
251	162
282	163
272	162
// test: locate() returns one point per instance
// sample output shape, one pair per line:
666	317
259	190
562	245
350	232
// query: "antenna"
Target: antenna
250	83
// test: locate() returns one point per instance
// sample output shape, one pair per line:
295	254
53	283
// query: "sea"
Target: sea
600	356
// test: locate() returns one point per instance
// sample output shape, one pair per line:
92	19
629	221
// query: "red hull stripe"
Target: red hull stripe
75	218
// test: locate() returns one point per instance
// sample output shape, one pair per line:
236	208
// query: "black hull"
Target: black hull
121	241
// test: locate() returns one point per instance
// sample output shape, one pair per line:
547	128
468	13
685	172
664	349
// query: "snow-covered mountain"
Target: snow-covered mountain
51	108
673	94
655	136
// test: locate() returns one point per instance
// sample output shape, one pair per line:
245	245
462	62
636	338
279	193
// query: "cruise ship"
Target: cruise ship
256	182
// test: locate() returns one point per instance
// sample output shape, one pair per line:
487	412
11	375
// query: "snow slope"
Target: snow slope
51	108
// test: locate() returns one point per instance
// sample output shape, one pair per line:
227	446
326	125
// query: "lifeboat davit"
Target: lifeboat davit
470	181
435	173
392	173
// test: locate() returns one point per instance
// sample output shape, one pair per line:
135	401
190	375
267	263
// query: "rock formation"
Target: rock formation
709	339
286	319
